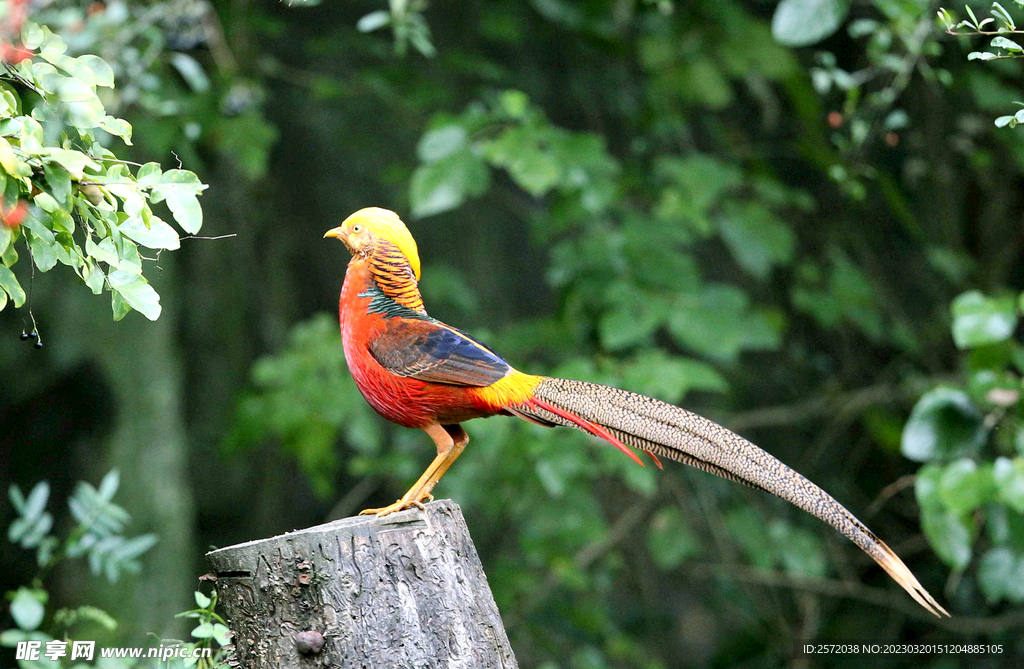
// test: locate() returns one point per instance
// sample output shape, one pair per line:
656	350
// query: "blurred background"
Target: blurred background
801	219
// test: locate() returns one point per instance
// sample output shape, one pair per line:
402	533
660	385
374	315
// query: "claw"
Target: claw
400	505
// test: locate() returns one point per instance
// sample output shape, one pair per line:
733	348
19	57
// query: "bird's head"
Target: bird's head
363	230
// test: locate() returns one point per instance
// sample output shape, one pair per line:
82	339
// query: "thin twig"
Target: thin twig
888	492
994	33
821	405
117	160
233	234
881	597
22	80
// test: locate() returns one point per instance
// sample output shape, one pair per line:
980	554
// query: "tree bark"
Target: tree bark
400	592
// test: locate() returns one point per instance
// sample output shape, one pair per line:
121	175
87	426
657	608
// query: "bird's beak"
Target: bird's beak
337	233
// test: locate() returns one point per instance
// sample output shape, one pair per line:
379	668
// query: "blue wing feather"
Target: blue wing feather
433	351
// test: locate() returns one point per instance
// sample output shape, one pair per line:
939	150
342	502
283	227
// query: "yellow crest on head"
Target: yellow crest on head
386	224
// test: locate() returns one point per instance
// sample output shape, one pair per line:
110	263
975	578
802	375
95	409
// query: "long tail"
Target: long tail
660	429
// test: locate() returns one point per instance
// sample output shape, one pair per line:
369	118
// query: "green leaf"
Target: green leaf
59	180
373	21
186	210
525	153
35	504
949	535
943	424
668	378
441	143
1005	526
109	485
77	67
93	276
32	36
136	292
103	74
9	160
1008	44
965	486
34	223
804	22
632	317
801	551
717	320
756	237
118	305
5	238
980	320
132	548
191	71
149	174
1009	479
1001	575
669	538
46	202
158	235
444	185
695	184
202	601
221	634
514	103
27	608
118	127
172	180
44	252
747	528
10	284
74	162
10	256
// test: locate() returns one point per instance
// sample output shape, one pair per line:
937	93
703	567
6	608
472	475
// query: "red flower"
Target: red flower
14	54
13	217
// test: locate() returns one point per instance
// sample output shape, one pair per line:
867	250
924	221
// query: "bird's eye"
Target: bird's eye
357	228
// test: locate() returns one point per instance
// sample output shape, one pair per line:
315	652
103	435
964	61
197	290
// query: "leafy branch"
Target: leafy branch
64	195
1003	47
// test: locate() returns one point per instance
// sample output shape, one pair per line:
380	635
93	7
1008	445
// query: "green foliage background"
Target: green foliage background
796	218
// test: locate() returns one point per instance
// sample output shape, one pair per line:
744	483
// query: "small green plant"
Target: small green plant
408	26
98	537
212	633
971	437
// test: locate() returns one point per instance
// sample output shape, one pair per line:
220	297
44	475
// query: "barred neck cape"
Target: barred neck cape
395	277
419	372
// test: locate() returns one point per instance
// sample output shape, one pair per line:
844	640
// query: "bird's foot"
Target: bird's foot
400	505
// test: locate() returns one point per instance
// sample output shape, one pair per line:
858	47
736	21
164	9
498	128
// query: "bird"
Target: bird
421	373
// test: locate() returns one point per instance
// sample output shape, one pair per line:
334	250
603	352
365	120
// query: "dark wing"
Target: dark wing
432	351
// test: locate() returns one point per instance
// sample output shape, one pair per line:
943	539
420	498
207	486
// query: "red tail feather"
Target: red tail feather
587	426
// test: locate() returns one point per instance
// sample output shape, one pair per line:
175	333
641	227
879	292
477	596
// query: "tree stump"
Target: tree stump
406	591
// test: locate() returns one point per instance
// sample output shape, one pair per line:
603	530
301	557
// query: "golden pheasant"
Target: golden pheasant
418	372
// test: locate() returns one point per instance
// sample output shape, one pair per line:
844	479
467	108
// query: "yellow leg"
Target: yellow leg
451	440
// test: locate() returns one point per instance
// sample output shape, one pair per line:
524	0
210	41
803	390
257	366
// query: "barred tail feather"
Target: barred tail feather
668	431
